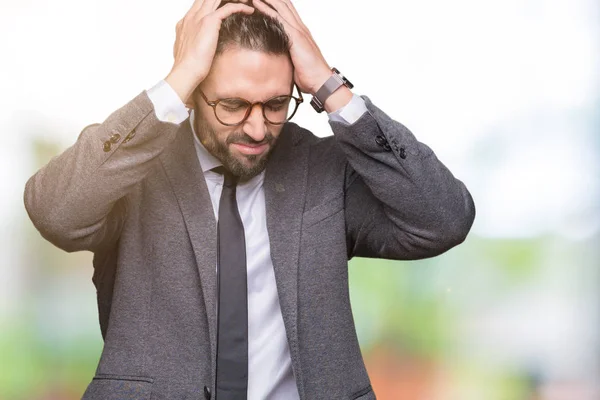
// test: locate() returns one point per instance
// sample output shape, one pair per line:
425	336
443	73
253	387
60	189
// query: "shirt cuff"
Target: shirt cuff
168	107
351	112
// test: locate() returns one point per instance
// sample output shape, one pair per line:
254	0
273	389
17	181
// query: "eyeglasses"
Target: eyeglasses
235	111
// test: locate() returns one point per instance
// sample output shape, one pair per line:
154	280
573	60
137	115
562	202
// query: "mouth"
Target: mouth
250	150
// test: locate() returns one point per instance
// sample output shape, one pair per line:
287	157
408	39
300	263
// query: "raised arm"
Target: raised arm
78	200
401	201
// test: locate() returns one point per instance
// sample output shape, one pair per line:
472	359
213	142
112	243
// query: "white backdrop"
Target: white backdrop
454	73
502	90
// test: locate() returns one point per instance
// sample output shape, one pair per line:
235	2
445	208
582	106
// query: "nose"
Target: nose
255	125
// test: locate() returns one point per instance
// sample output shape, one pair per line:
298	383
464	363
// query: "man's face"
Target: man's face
254	76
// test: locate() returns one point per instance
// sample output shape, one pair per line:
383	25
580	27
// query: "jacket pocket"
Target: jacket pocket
323	211
119	387
364	394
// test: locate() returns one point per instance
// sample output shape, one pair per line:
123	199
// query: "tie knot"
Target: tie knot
230	179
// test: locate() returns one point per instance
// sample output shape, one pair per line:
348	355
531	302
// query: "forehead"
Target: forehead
253	75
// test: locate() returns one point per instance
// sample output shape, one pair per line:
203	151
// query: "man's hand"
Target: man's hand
197	34
310	68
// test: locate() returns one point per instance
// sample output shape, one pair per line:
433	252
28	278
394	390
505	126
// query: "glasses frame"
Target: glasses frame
215	103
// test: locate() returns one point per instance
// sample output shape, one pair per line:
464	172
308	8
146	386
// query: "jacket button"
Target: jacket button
129	137
380	140
115	138
206	393
402	153
106	146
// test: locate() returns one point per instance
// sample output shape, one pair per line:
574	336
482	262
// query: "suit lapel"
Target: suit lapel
285	190
183	170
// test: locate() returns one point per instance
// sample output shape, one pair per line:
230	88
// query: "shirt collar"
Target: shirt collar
207	160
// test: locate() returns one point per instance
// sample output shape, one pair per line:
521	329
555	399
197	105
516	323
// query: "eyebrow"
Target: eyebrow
218	97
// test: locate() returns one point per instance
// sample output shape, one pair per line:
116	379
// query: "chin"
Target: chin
246	167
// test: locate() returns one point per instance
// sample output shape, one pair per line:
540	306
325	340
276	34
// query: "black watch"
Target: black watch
331	85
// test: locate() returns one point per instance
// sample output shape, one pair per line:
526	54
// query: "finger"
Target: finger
208	7
196	5
283	10
266	9
287	15
232	8
296	15
204	9
224	2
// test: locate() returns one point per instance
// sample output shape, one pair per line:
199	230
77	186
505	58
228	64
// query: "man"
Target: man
255	306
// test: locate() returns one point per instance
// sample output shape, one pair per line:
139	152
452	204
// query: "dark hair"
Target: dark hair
256	31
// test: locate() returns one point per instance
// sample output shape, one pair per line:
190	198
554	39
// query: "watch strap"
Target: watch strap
329	87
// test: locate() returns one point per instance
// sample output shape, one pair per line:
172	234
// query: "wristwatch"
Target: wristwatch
331	85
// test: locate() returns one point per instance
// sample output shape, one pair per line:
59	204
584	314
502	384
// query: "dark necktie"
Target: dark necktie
232	331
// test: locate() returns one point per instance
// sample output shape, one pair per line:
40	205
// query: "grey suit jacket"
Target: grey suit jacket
131	190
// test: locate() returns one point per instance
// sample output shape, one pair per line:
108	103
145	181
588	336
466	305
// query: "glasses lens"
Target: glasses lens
231	111
277	110
280	109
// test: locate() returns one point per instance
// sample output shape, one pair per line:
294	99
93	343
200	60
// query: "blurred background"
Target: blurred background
506	92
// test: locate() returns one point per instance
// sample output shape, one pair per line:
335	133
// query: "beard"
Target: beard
243	166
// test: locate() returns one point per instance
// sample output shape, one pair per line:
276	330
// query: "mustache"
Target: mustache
242	138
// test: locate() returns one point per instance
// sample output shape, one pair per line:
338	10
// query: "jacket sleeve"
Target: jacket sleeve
401	201
77	201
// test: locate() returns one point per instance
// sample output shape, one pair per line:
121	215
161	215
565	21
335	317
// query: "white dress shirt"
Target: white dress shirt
270	373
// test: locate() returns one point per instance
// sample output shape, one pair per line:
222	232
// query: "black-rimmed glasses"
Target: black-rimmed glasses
235	111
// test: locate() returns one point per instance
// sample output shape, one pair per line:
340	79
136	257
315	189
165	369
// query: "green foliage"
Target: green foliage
33	367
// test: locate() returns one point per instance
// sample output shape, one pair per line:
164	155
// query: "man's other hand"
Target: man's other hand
196	39
310	68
